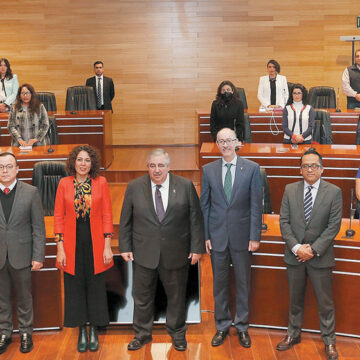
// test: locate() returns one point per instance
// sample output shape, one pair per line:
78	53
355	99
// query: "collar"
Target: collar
315	185
2	186
99	77
233	161
165	184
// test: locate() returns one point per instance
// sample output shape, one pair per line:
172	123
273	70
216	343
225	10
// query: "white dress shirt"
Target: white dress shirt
102	86
164	190
314	191
3	187
347	89
232	169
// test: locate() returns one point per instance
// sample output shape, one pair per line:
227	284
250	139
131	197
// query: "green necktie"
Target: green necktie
228	183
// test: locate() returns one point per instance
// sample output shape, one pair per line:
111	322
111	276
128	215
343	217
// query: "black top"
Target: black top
7	202
227	114
273	91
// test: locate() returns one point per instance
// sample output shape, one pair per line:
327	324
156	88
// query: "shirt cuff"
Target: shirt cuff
295	249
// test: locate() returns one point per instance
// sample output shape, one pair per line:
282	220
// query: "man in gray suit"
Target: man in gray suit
22	249
161	231
231	197
310	218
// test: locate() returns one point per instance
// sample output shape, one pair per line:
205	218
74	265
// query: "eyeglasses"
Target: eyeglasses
226	141
27	93
310	166
7	167
297	93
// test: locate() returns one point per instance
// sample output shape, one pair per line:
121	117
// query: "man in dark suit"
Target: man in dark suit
22	249
231	196
310	218
103	87
162	231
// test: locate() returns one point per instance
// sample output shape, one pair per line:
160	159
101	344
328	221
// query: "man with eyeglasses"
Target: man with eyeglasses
231	198
22	249
310	218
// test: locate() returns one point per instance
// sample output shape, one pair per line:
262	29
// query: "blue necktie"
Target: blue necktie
308	203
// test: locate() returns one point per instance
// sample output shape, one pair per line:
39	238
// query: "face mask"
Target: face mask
227	96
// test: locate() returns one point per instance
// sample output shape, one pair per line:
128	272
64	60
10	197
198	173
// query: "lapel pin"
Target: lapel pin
174	191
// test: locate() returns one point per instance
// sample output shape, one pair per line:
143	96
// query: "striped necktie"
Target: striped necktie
228	183
99	94
308	203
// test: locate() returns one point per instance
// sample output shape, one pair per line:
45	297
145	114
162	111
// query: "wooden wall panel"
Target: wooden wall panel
168	57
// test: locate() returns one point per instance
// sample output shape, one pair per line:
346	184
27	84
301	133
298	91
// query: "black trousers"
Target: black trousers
144	289
20	279
321	280
85	293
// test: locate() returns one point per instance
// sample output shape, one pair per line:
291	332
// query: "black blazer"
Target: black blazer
108	90
180	233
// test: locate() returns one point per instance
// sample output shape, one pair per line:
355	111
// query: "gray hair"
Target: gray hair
158	152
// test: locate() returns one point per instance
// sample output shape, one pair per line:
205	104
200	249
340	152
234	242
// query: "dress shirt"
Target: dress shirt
347	89
314	190
164	190
3	187
102	86
232	169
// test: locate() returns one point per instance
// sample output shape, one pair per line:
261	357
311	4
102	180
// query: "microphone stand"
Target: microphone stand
264	226
50	149
337	102
349	233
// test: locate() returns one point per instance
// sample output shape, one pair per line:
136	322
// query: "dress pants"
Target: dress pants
241	261
144	290
21	281
321	279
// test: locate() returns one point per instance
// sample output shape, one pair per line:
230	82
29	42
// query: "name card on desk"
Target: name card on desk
344	147
25	148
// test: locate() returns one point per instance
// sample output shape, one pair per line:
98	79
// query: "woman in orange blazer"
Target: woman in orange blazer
83	227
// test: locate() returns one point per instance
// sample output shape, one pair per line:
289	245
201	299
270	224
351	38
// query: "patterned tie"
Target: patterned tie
6	190
159	203
3	86
98	95
308	203
228	183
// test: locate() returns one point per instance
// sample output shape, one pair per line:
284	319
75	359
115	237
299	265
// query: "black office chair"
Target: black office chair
48	99
290	86
80	98
322	133
322	97
53	131
240	92
266	192
247	129
46	177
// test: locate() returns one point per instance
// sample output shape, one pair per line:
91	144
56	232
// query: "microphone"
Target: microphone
264	226
50	149
350	232
337	102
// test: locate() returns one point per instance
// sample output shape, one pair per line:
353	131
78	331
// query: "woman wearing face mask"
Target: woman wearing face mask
273	91
227	111
298	117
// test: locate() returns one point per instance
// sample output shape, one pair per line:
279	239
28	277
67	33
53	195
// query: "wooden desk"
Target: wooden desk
267	128
282	164
269	287
91	127
26	160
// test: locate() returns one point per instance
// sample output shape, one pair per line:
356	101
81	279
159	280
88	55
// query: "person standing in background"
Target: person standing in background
8	87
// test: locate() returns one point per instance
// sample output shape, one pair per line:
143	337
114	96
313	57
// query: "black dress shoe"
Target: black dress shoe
93	338
5	341
26	343
287	343
219	338
180	344
136	344
331	352
244	339
82	339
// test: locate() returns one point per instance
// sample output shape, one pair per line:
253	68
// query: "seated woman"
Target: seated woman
227	111
28	119
8	87
273	91
298	117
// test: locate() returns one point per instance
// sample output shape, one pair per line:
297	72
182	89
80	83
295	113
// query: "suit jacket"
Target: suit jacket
181	232
282	91
322	227
108	90
100	220
23	238
238	222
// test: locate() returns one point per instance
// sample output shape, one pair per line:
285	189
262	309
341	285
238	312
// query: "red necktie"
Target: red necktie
6	190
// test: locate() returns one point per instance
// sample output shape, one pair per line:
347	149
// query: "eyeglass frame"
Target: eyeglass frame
8	167
226	141
310	166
